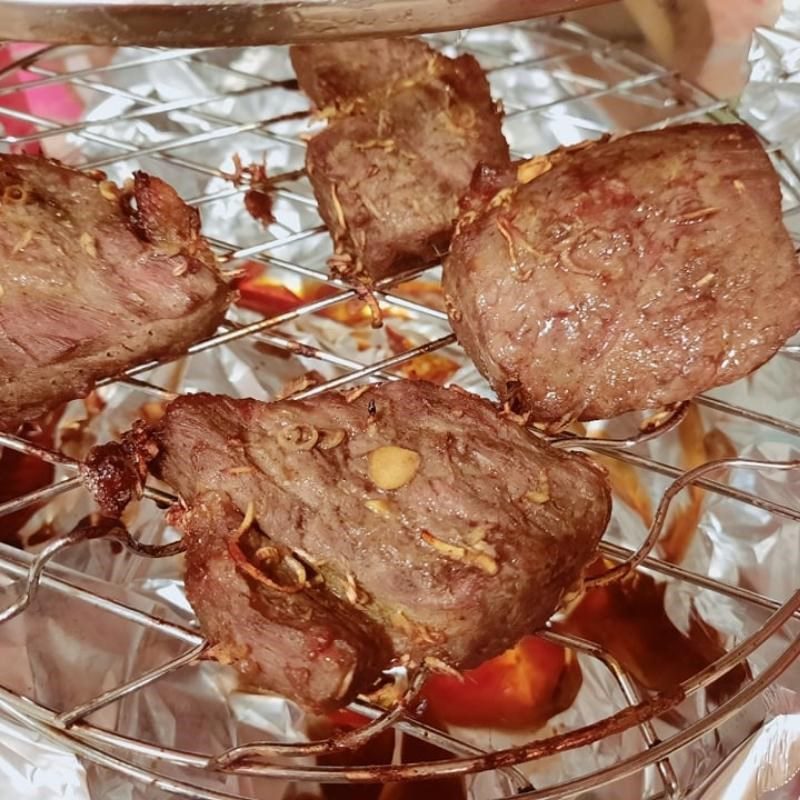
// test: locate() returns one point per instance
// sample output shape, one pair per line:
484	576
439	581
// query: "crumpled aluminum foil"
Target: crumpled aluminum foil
60	652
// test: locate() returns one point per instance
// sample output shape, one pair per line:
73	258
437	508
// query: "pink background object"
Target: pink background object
54	102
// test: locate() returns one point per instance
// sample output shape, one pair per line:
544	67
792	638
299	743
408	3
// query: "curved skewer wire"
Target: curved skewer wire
350	740
651	429
84	531
35	572
626	567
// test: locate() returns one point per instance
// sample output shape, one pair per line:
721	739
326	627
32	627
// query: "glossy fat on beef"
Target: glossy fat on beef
390	166
90	285
627	274
428	516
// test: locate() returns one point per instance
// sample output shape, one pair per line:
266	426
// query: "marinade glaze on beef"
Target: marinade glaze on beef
89	285
410	127
626	274
476	535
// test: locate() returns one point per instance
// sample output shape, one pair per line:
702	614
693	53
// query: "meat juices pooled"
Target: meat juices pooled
90	286
627	274
389	168
410	520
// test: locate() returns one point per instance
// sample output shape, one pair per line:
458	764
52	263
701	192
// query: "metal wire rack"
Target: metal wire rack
587	70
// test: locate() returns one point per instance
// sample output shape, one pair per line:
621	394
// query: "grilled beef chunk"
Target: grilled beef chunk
91	285
626	274
389	168
404	520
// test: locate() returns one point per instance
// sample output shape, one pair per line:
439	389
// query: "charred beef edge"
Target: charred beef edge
115	472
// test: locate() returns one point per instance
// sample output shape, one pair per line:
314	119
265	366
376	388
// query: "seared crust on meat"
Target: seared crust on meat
627	274
388	170
90	285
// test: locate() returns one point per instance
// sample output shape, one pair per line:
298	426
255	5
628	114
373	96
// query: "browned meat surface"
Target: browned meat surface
90	286
627	274
306	644
388	173
412	517
336	72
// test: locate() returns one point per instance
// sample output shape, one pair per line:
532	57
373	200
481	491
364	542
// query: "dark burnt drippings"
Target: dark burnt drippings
115	472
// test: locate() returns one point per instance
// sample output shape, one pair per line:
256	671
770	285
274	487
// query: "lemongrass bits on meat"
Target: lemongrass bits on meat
316	563
180	269
502	198
534	167
654	420
464	221
502	227
437	665
540	493
298	437
373	306
337	206
393	467
739	186
298	568
705	280
476	534
698	214
482	561
351	590
23	241
249	517
344	684
401	621
330	439
370	206
354	394
388	145
109	190
454	551
386	696
452	310
268	554
380	507
240	470
88	244
482	555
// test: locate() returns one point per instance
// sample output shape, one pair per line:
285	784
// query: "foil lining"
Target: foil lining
62	652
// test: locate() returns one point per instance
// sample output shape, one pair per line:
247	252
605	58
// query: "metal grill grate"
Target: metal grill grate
586	73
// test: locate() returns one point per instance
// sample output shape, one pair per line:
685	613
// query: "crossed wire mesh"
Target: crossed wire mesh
587	70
